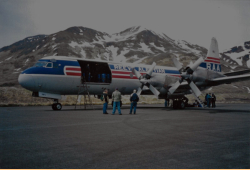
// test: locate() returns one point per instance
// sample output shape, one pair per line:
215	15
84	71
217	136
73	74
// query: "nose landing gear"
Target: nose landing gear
56	105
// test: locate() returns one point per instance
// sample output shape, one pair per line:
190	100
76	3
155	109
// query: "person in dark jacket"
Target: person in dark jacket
208	100
213	99
105	101
133	99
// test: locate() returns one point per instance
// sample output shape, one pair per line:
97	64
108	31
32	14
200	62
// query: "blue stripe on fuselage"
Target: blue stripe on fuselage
52	71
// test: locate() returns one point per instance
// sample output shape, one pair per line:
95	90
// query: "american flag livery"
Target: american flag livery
123	72
212	60
212	63
72	71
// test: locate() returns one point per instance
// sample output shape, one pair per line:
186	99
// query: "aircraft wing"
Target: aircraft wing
237	73
229	79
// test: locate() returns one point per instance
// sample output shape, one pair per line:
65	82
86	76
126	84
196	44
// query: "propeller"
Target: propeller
145	80
186	74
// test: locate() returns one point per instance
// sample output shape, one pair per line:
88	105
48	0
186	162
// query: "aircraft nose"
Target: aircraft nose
26	81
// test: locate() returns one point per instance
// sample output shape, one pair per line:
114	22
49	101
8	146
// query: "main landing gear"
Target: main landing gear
56	105
180	103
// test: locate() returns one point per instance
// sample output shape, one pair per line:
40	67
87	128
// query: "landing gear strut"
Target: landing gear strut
56	105
180	103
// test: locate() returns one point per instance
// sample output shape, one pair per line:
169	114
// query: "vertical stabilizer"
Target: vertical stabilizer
212	61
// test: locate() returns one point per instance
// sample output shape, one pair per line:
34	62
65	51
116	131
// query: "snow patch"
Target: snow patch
55	54
53	38
73	44
17	69
248	89
8	58
27	60
210	89
80	33
83	53
113	50
53	46
145	48
139	61
235	86
248	63
159	48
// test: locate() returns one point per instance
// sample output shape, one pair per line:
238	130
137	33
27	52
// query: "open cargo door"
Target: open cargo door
95	72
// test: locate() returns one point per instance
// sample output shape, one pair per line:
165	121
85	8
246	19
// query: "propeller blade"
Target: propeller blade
177	64
174	87
195	89
138	75
139	91
150	71
154	90
195	65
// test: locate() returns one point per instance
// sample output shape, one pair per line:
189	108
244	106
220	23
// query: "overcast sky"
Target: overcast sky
196	21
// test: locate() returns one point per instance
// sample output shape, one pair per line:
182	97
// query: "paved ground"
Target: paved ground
37	137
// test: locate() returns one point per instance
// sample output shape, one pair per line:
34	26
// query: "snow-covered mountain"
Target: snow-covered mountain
237	55
135	44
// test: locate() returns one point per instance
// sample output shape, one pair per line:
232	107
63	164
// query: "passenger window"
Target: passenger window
49	65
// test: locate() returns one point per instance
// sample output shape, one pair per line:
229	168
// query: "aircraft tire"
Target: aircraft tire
175	104
181	105
54	106
58	106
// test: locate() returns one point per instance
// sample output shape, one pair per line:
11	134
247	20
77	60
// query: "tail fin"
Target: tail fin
212	61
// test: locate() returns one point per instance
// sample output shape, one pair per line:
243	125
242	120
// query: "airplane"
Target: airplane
54	76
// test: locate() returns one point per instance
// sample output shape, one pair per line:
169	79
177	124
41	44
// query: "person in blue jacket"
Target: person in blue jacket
208	98
133	99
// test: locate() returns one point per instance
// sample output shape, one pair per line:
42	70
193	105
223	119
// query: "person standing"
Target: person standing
105	100
133	99
213	99
208	100
166	102
116	97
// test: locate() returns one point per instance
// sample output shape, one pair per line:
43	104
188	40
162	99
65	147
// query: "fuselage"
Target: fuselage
62	75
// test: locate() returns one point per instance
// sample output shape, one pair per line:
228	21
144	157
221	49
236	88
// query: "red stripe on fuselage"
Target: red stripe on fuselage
74	69
123	77
212	58
212	61
73	74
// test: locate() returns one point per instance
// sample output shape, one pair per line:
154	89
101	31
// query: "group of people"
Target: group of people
116	98
210	99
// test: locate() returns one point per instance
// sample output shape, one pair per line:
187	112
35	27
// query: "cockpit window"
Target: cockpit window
49	65
44	64
40	64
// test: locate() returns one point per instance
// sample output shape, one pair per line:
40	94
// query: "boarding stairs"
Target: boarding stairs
199	100
83	91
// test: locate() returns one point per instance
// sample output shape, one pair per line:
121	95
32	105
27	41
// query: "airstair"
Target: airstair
83	91
199	100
